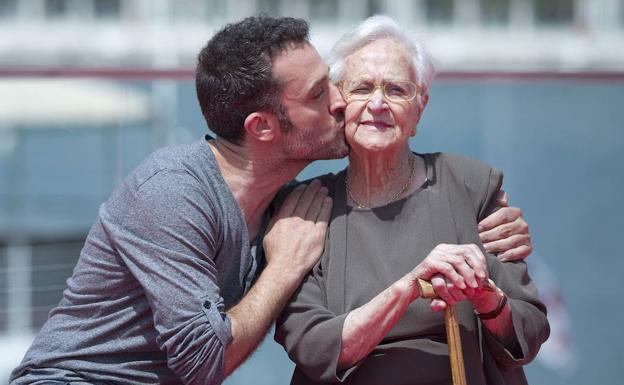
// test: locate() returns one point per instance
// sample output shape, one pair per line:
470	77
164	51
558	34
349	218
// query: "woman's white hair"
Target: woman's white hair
382	27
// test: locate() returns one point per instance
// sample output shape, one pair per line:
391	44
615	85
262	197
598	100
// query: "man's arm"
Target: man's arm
292	246
168	239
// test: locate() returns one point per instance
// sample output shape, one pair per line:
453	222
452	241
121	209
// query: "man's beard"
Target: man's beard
309	148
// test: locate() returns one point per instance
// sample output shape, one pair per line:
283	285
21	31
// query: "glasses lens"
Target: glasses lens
358	90
397	91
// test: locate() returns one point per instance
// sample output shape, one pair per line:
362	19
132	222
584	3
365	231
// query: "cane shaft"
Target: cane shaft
458	372
456	356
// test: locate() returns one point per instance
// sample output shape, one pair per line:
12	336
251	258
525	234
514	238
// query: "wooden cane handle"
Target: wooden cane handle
426	288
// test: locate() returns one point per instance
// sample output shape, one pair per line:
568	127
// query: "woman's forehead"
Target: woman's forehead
383	58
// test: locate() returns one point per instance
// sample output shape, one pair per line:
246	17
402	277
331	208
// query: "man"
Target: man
169	287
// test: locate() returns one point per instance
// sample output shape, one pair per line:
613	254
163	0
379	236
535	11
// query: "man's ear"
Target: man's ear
262	126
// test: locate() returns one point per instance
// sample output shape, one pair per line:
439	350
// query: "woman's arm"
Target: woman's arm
523	312
307	326
462	265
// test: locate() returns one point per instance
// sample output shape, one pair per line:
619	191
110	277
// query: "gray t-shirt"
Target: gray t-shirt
167	255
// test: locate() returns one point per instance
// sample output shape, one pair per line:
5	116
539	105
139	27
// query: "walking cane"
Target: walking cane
458	372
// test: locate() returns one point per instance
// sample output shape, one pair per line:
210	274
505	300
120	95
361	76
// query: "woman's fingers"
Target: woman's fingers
447	292
469	262
438	305
453	269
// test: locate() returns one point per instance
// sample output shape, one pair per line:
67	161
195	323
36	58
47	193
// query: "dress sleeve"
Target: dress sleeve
493	183
167	240
527	312
310	333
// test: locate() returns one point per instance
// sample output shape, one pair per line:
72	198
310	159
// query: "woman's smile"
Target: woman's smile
377	125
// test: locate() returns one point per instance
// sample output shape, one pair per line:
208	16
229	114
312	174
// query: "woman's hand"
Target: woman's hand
505	232
452	269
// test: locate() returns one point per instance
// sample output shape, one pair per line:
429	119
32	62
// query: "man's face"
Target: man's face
313	106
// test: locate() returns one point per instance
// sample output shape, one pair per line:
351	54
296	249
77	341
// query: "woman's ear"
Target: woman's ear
421	107
261	126
425	100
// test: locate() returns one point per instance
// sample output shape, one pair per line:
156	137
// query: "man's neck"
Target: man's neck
254	179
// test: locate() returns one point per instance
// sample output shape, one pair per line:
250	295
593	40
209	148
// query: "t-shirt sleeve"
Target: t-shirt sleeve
168	241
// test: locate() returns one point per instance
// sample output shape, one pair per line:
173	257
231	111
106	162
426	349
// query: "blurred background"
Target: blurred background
88	88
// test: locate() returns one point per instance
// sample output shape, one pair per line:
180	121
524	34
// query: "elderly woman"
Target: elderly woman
399	216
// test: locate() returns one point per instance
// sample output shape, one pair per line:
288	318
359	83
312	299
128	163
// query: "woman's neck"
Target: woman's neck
376	179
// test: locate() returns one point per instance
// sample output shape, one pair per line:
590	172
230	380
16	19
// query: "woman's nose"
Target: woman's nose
377	100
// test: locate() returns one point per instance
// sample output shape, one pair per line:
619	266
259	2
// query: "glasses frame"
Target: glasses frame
349	97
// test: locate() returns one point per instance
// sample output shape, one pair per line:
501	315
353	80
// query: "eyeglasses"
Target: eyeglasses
395	91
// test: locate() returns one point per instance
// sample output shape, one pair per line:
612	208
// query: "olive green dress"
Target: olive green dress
368	250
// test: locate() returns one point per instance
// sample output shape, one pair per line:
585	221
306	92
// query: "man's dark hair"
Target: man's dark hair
234	75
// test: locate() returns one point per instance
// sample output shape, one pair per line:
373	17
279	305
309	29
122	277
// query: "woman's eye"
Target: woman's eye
395	89
361	89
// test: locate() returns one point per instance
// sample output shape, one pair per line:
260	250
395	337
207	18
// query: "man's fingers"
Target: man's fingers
290	202
502	199
306	199
325	212
520	252
508	243
316	205
517	226
499	217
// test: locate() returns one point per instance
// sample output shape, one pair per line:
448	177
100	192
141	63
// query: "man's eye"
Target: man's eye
318	94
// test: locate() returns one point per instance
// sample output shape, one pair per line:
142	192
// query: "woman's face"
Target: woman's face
379	124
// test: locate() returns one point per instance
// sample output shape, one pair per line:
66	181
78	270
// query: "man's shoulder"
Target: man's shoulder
190	157
174	177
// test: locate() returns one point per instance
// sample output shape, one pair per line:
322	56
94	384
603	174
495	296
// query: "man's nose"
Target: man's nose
337	104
